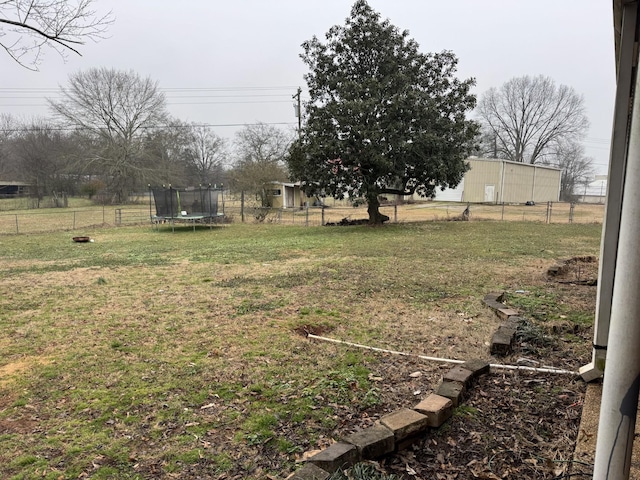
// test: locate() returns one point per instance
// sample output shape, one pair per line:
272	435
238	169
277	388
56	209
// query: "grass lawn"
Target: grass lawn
152	354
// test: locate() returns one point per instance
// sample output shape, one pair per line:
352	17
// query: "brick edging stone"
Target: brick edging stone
504	338
401	429
398	430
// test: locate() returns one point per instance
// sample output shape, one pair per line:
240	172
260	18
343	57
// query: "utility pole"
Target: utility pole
298	110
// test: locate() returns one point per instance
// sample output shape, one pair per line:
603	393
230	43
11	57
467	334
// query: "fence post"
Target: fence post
306	216
103	217
502	211
74	220
395	212
322	217
118	218
242	206
572	206
17	228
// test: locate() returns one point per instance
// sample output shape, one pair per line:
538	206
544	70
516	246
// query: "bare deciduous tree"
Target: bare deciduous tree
167	148
114	108
40	152
577	169
8	129
206	153
27	26
527	116
260	152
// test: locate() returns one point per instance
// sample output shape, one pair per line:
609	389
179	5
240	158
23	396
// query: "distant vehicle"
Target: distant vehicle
530	202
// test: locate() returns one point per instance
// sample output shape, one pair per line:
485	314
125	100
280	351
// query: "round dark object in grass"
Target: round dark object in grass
81	239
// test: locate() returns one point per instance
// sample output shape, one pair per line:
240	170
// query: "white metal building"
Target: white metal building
595	191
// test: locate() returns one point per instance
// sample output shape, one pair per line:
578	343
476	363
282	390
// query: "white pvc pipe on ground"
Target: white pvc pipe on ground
496	366
622	373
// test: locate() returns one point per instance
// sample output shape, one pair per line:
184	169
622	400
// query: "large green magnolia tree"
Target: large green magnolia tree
383	118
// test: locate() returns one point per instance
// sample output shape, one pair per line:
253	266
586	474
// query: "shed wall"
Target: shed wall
497	181
481	175
518	183
547	185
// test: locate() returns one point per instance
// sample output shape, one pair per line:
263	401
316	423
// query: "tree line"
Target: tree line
110	134
382	118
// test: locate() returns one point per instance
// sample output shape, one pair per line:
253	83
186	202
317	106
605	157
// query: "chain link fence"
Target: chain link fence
420	212
47	220
60	219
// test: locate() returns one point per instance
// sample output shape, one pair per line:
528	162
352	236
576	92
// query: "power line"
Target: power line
225	89
264	95
168	103
149	127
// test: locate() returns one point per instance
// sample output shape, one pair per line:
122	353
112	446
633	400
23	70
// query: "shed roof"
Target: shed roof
546	167
14	184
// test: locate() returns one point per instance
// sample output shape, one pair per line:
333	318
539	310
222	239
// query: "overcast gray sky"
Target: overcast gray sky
234	62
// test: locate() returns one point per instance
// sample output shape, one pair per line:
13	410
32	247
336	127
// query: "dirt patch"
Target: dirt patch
319	330
21	426
581	270
18	368
13	369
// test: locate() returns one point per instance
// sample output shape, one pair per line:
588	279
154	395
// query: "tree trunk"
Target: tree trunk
373	208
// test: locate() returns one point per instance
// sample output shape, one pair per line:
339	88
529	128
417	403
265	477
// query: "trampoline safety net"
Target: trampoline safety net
185	203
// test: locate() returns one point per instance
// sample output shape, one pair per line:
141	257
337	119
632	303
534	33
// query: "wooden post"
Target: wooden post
572	206
242	206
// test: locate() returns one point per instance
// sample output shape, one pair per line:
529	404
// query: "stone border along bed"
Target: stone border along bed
402	428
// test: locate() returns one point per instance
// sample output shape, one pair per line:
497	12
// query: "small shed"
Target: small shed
287	195
14	189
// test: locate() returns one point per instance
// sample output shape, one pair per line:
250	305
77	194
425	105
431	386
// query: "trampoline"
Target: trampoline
185	205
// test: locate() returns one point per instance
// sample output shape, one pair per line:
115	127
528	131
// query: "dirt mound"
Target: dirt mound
578	270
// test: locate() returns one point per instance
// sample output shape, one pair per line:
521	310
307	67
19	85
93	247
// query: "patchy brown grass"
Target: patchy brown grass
151	354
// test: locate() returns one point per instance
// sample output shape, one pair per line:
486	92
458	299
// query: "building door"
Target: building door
489	193
289	197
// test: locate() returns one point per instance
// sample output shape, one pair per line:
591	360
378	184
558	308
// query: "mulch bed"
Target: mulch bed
512	425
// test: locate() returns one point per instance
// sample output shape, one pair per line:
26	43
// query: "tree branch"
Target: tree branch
54	38
60	24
